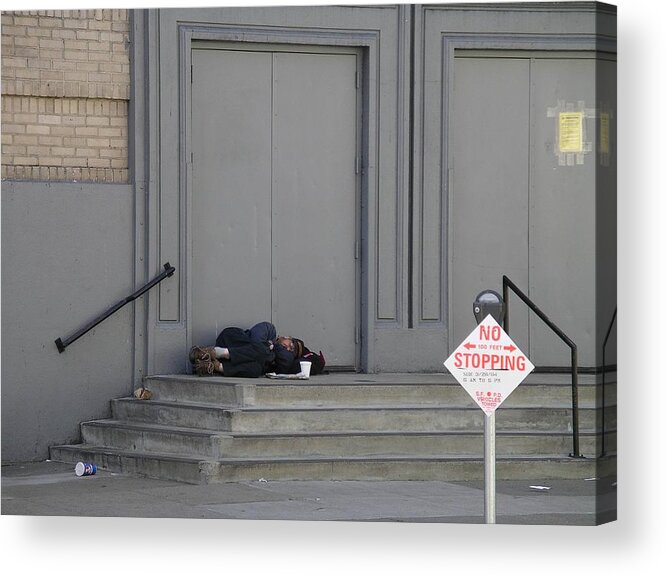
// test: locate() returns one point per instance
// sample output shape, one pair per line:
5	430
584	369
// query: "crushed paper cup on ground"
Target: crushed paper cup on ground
539	487
82	469
143	393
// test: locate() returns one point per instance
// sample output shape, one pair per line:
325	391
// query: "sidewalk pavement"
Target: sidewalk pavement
52	489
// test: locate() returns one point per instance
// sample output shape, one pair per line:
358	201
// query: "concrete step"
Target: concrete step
401	467
138	436
407	418
147	437
345	426
545	390
188	469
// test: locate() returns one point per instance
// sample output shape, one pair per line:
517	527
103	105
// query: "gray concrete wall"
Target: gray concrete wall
67	255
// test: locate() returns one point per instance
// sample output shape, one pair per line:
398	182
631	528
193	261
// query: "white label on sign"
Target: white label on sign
489	365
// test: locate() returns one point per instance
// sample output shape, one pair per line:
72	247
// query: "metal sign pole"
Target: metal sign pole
489	365
489	468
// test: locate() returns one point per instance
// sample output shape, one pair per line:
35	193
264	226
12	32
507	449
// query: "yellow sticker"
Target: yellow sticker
571	132
604	133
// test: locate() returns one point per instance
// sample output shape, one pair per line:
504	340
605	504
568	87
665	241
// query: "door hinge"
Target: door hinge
357	335
357	249
358	165
358	80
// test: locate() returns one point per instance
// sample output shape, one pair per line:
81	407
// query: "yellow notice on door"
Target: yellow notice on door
571	132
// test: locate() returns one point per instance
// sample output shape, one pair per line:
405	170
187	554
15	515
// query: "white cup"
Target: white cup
305	368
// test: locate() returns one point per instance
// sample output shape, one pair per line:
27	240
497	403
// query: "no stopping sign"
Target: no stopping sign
489	365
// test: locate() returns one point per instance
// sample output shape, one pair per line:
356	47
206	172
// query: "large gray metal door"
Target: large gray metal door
520	205
274	195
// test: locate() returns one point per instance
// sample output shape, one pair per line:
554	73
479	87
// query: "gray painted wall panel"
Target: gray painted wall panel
169	201
432	209
67	256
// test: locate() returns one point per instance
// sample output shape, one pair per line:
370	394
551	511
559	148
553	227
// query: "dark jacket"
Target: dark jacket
281	360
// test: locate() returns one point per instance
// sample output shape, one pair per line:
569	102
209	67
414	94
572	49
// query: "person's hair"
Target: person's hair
299	346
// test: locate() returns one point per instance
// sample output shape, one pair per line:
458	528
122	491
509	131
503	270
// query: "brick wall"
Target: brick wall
65	93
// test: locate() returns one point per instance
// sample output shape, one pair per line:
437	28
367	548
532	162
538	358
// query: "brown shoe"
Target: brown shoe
207	367
202	354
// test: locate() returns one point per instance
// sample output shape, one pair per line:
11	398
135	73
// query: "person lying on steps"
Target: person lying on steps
252	353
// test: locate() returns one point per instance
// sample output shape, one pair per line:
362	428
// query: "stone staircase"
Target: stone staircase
345	426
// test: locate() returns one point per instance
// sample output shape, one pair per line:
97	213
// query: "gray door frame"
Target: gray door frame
438	31
162	172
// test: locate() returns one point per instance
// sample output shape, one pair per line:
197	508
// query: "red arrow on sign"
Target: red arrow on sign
510	347
469	345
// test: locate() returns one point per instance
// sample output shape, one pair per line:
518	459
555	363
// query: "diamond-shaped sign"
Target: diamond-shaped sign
489	365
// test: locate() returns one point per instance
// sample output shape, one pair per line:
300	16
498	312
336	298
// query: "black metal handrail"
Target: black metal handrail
506	284
168	271
603	385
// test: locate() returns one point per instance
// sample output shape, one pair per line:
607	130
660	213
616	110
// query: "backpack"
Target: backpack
318	361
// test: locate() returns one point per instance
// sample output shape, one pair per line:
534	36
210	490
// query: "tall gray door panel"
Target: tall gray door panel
274	201
488	223
314	200
231	199
562	211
